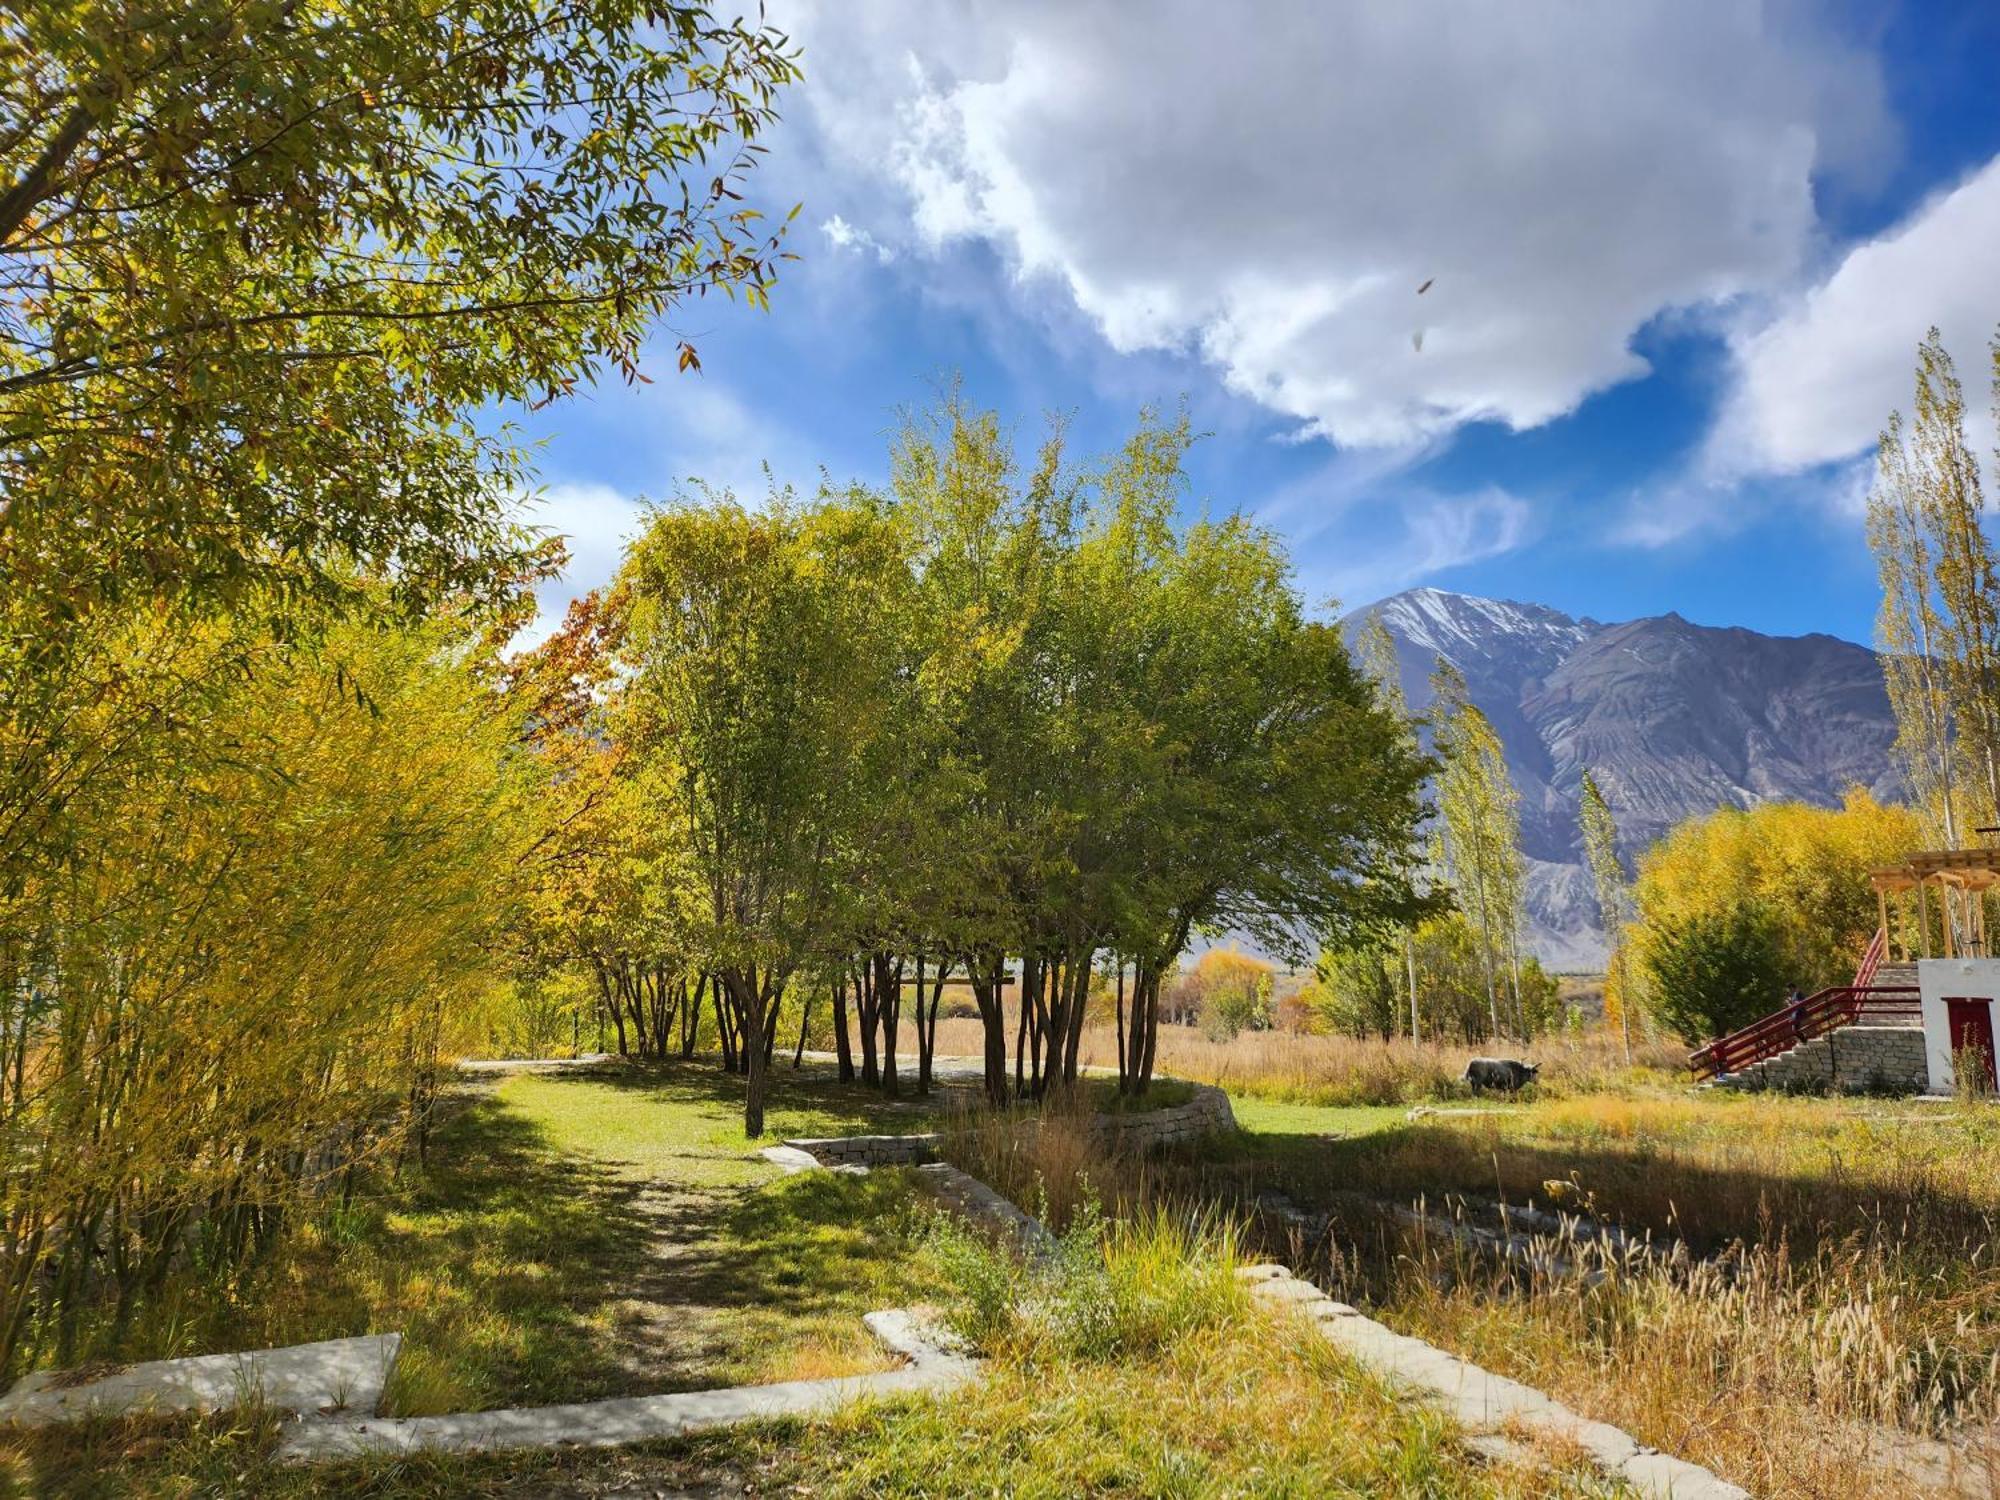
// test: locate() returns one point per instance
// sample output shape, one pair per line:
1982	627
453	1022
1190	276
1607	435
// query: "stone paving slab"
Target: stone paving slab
633	1419
590	1062
1483	1402
307	1379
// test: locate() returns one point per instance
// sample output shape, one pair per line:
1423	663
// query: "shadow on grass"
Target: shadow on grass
1903	1198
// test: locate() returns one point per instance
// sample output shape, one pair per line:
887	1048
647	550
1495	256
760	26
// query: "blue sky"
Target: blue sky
1682	254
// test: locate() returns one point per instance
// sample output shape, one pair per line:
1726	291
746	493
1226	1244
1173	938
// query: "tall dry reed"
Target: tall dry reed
1341	1070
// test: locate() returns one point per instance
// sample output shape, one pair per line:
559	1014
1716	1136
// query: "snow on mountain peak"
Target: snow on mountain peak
1447	623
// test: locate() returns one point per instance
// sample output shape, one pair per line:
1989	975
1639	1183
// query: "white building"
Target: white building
1960	996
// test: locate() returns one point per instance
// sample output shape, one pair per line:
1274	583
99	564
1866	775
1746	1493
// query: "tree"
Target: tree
1714	971
1481	829
1356	990
262	272
1805	867
1384	669
1939	624
1607	874
278	917
754	667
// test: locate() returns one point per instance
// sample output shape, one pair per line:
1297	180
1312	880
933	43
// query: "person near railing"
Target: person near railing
1796	1003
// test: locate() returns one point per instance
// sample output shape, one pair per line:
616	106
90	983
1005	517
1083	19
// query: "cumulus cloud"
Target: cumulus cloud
1816	384
1269	189
595	522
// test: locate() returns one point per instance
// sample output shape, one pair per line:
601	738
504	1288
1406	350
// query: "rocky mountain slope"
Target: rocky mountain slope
1673	718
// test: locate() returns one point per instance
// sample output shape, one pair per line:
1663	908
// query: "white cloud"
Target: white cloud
595	522
1817	383
845	236
1267	189
1433	534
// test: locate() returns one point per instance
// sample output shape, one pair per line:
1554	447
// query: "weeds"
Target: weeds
1340	1070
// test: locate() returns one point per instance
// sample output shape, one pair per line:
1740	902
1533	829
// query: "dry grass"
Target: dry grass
1049	1160
1339	1070
1790	1378
1847	1306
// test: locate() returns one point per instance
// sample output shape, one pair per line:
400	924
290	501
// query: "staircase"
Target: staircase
1854	1059
1860	1035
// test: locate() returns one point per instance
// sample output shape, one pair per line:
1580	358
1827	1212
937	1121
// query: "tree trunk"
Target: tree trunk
986	972
889	1010
843	1045
867	1006
749	991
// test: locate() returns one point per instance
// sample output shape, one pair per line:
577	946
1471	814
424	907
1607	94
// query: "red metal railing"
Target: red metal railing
1816	1015
1871	960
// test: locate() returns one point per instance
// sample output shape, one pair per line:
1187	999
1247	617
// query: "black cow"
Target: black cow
1502	1073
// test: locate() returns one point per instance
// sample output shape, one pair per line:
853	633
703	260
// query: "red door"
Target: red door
1971	1024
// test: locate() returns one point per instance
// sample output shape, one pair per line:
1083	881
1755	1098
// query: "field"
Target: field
1809	1304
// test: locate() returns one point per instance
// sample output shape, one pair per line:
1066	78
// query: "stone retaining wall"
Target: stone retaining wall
1852	1060
1204	1114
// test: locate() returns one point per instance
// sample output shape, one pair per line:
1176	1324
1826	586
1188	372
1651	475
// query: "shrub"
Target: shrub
1712	972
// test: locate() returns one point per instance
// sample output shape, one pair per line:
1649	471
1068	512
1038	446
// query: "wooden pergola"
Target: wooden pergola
1961	878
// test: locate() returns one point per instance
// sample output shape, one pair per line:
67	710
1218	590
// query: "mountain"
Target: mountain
1671	717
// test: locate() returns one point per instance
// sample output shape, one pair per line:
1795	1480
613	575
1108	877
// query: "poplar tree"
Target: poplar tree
1939	624
1909	633
1481	832
1600	852
1377	651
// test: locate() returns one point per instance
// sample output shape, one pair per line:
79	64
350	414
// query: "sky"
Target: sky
1679	257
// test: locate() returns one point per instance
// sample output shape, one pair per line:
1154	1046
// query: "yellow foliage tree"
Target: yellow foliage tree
1806	868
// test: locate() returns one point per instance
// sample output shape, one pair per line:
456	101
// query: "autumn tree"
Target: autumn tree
1479	832
1803	869
1939	623
1607	874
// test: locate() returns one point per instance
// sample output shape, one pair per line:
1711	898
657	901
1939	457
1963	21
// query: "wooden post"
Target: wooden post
1923	919
1882	905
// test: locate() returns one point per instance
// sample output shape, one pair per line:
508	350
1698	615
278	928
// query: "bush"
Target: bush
1712	972
1109	1289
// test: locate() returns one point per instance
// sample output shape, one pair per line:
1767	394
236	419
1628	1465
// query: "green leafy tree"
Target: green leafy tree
1939	623
1356	990
755	665
1712	972
262	269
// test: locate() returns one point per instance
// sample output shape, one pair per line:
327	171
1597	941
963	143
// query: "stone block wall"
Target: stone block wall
1208	1111
1852	1060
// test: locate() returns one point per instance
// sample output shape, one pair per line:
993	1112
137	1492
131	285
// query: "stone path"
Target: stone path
1485	1404
308	1380
931	1368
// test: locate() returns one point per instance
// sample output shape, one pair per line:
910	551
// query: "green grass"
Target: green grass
1278	1117
1132	1365
573	1238
578	1237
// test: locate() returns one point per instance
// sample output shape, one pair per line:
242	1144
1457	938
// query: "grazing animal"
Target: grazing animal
1503	1073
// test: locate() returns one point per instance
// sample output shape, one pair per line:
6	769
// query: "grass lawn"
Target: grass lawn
583	1236
577	1237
